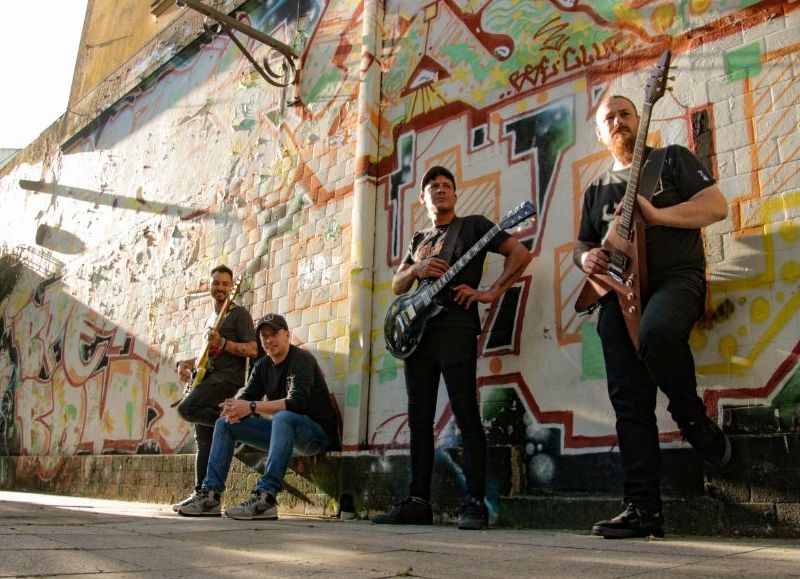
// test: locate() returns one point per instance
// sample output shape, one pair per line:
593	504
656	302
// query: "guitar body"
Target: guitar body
629	283
408	314
406	319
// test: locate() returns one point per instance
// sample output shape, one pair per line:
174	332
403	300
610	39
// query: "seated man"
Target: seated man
285	410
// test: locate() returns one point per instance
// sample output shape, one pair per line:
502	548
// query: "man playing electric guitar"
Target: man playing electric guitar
449	346
225	369
686	199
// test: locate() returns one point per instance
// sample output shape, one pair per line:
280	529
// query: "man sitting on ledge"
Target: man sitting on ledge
285	410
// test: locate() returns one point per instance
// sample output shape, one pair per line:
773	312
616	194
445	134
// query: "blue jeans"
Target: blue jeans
287	434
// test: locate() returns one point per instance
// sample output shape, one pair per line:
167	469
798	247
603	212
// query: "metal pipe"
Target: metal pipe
226	20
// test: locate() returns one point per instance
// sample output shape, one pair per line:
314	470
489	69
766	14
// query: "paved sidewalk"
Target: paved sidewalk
45	535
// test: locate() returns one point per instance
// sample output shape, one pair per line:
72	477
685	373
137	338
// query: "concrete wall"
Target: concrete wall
312	192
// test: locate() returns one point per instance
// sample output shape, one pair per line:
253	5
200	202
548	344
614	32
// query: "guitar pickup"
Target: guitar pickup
616	273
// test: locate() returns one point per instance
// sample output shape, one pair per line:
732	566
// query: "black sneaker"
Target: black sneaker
631	523
409	511
473	515
708	439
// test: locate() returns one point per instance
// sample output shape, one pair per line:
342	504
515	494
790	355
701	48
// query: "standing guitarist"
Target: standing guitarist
685	200
449	345
228	350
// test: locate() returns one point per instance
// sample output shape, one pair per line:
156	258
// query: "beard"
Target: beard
621	146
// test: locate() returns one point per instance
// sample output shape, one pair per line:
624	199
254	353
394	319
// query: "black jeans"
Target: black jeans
666	362
201	406
452	353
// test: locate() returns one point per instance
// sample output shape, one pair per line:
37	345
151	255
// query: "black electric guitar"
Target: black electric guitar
407	316
625	240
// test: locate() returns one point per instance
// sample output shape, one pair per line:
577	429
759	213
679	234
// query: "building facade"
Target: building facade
176	156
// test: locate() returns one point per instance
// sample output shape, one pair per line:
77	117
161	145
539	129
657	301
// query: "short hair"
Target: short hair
606	99
222	269
436	171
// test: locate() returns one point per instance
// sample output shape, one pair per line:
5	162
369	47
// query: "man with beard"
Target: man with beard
229	349
686	199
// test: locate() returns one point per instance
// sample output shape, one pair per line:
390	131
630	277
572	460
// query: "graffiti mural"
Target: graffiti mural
202	163
75	383
504	93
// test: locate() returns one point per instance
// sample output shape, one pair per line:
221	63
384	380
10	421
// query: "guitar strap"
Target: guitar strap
450	240
651	172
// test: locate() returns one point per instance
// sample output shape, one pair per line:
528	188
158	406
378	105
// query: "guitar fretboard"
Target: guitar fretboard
629	200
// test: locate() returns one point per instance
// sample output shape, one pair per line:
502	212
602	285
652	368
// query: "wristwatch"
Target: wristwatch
253	408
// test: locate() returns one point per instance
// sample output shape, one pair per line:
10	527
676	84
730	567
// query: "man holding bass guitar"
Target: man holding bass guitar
223	367
449	347
685	200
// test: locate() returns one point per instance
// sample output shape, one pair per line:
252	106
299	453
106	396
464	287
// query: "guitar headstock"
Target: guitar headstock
657	83
237	284
518	214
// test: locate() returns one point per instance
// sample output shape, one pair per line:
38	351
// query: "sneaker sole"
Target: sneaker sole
217	514
472	527
252	517
726	457
606	533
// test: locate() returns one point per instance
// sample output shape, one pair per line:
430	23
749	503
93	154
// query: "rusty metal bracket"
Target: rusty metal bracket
281	79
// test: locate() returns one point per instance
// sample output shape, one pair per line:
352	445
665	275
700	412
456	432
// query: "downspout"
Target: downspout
355	416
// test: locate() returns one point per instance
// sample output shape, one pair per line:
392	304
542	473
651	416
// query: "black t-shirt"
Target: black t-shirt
670	250
428	243
236	327
300	381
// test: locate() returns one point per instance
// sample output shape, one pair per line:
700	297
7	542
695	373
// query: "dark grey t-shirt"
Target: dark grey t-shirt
236	327
428	243
670	250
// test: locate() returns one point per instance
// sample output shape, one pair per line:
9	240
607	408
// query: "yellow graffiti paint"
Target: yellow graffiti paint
790	271
742	331
697	7
663	17
760	310
789	232
622	13
698	340
728	347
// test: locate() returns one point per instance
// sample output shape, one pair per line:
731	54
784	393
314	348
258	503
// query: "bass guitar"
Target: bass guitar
625	240
408	314
202	362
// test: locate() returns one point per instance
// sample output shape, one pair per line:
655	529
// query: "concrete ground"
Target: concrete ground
46	535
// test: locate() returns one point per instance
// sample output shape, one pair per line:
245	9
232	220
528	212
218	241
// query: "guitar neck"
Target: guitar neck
454	270
629	200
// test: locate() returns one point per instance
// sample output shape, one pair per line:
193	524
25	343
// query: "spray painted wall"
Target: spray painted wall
504	93
204	164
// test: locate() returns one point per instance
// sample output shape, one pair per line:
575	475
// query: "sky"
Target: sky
39	43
